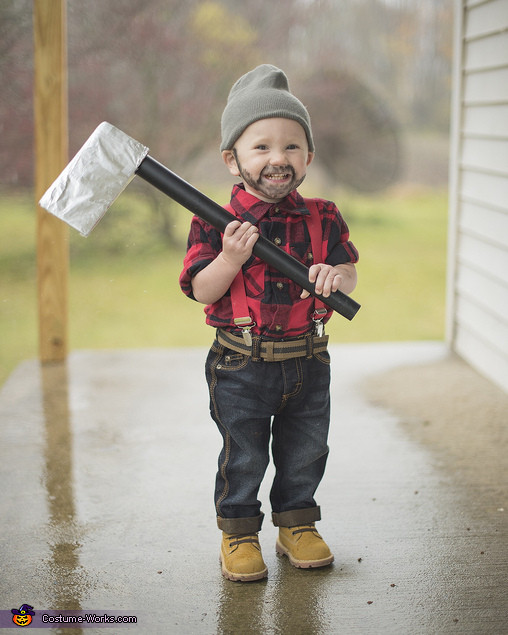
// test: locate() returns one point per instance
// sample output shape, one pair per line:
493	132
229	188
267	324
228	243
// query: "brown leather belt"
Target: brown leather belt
274	351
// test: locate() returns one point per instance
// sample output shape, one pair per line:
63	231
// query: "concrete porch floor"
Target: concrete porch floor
107	466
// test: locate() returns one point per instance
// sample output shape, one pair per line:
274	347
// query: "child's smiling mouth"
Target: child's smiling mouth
278	176
273	183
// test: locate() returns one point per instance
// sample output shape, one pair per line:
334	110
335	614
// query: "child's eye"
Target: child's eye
262	147
292	146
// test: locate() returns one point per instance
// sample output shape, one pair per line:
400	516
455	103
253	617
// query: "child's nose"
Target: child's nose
278	157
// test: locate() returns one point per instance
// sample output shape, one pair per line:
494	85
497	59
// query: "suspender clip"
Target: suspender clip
246	324
317	318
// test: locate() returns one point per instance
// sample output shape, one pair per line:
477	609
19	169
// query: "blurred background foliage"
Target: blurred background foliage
370	72
374	74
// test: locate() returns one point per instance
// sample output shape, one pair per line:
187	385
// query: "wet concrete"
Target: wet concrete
107	466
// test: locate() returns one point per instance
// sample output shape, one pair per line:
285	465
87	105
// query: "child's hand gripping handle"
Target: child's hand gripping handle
182	192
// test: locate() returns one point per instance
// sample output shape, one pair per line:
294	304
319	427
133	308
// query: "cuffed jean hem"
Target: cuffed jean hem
250	525
296	517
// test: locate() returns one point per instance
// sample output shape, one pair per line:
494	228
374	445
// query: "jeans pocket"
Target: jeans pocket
323	357
231	360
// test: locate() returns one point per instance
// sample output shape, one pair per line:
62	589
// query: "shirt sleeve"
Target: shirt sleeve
203	245
338	247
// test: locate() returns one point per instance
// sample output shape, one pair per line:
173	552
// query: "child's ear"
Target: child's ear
229	159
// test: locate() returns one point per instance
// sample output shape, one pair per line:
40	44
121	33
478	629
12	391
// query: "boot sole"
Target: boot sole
302	564
243	577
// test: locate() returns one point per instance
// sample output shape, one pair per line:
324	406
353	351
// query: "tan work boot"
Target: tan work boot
303	546
241	558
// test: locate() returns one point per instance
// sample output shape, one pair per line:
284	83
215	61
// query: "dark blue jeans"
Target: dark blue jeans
252	403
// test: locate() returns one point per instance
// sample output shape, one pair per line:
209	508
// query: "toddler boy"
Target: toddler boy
268	370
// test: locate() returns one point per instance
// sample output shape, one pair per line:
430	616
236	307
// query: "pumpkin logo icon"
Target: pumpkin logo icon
23	615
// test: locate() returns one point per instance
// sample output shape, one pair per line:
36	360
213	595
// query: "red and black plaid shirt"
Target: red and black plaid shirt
274	300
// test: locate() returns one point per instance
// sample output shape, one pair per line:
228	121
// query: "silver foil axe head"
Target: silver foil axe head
95	177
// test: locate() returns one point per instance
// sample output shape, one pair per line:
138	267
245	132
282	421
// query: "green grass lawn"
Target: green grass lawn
124	293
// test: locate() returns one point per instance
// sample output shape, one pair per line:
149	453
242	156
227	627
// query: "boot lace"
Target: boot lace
305	528
238	539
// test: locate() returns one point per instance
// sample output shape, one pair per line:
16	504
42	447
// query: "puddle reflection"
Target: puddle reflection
300	597
66	574
241	607
290	601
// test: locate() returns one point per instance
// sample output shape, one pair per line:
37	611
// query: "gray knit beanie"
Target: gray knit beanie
261	94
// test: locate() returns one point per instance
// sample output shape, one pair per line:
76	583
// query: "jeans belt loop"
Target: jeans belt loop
309	341
256	348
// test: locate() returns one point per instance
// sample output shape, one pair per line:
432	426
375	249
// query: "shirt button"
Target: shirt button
310	256
280	285
278	327
276	210
277	241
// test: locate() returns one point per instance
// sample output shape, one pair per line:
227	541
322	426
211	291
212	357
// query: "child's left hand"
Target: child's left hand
326	278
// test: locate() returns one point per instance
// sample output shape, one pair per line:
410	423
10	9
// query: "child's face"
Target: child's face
271	156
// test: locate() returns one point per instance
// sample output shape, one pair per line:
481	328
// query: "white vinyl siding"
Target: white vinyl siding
477	326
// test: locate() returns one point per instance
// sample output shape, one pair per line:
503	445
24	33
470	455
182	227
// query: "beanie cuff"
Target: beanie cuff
262	93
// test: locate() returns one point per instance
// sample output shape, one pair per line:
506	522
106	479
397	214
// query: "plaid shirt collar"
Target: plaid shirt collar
252	209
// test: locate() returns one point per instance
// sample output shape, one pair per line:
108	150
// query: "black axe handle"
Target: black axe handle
199	204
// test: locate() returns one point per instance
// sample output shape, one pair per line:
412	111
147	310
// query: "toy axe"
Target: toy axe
103	168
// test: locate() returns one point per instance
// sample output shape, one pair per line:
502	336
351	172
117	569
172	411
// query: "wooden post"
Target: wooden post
51	156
